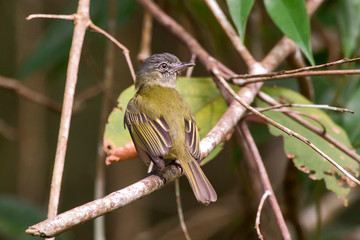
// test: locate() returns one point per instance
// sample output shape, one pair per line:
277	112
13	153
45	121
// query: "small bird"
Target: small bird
161	124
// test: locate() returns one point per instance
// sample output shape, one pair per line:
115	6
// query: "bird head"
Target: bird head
160	69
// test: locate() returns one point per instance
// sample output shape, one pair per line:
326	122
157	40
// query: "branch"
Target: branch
351	153
146	35
298	70
115	200
242	82
286	130
28	93
231	33
258	214
180	210
249	144
89	23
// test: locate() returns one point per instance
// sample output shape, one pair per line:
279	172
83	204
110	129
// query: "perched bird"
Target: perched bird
161	124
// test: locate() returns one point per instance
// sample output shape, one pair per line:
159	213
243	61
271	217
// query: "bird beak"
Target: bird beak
182	66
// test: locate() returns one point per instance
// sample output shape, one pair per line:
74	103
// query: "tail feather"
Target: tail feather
202	188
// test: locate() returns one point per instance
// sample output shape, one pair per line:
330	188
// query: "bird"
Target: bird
162	125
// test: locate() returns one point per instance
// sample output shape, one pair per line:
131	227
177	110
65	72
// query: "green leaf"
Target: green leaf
348	19
203	97
305	158
239	11
351	122
292	19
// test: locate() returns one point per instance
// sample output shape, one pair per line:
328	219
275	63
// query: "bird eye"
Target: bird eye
164	65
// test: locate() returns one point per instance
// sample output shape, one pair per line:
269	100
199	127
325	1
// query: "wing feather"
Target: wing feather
192	139
151	135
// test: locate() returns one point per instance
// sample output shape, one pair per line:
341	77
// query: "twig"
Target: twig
293	71
258	214
295	75
306	87
249	143
28	93
231	33
53	16
100	176
351	153
126	51
294	112
146	35
89	23
85	95
180	210
286	130
320	106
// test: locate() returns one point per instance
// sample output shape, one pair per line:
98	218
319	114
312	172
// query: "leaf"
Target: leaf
203	97
348	19
239	11
306	159
292	19
351	122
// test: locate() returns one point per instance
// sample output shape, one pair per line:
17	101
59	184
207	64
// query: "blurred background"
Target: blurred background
34	54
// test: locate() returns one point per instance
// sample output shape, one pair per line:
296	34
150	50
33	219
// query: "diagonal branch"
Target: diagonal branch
229	30
249	143
28	93
351	153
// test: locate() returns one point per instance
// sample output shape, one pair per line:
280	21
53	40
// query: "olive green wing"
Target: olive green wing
151	137
192	139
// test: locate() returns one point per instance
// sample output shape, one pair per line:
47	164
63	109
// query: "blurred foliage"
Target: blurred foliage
17	215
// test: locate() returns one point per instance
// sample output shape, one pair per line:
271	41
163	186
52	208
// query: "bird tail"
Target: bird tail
202	188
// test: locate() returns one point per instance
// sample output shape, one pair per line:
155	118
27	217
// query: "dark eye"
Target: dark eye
164	65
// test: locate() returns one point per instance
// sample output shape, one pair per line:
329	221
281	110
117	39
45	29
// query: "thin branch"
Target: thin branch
250	144
30	94
86	95
231	33
146	35
51	16
296	75
126	51
286	130
293	71
258	214
320	106
100	175
74	17
180	210
306	88
350	152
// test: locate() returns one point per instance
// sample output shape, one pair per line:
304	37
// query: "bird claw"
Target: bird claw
156	173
